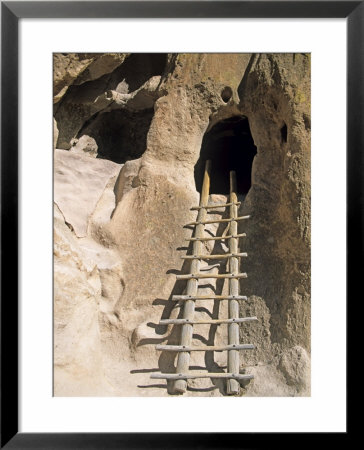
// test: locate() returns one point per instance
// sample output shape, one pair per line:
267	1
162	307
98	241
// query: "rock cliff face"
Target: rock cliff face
132	132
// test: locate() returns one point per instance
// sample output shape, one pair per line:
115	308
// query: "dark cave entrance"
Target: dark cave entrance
120	135
75	115
230	146
136	70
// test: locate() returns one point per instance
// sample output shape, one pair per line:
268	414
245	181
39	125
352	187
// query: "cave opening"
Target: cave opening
78	107
120	135
230	146
136	70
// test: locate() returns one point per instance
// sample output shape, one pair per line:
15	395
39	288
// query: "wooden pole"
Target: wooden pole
226	255
212	238
221	205
208	297
178	376
211	322
189	276
233	386
204	348
183	359
216	221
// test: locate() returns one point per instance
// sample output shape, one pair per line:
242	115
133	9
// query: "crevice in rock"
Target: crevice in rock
230	146
170	64
307	121
69	226
243	84
284	133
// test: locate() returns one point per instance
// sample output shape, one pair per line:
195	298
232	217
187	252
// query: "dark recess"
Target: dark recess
230	146
284	133
120	135
226	94
138	68
128	77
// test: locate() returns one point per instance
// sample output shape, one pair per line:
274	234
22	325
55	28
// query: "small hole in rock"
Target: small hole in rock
284	133
226	94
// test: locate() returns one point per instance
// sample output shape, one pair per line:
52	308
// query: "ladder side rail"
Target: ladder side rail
233	386
183	358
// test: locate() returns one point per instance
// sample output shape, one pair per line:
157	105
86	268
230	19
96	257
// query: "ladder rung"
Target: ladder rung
205	348
211	275
223	256
181	376
217	221
221	205
212	322
209	297
214	238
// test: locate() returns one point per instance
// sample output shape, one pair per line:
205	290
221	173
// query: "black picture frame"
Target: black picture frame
11	12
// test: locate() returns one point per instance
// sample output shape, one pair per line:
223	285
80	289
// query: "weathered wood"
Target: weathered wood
187	321
208	297
212	321
192	285
223	256
221	205
233	386
215	238
210	275
179	376
204	348
199	222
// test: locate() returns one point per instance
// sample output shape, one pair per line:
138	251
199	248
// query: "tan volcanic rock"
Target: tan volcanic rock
136	83
77	68
79	270
79	182
152	197
55	133
276	97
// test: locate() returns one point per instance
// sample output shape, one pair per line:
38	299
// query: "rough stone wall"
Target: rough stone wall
140	216
69	68
276	93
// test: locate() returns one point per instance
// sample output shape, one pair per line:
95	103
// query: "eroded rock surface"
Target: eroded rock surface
79	182
79	294
77	68
133	85
116	266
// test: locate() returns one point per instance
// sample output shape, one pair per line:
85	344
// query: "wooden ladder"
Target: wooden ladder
189	299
